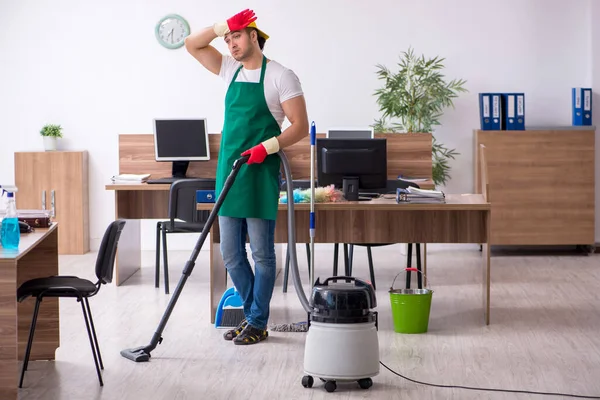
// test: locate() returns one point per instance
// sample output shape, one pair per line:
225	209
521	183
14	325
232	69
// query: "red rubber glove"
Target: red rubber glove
241	20
238	22
257	154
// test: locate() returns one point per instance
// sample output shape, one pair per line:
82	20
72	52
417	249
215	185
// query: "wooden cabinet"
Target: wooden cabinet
57	181
541	185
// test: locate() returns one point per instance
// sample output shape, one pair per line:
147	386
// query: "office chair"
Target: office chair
350	252
75	287
349	249
348	256
182	206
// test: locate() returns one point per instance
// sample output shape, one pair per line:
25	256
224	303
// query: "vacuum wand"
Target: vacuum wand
313	134
140	354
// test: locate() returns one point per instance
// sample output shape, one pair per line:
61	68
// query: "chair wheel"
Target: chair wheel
307	381
365	383
330	386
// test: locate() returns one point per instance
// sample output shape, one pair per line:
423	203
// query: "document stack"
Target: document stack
130	178
414	195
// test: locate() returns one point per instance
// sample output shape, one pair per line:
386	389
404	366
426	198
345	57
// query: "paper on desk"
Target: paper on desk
130	178
414	180
425	193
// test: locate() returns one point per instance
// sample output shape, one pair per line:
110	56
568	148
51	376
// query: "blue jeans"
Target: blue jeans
255	288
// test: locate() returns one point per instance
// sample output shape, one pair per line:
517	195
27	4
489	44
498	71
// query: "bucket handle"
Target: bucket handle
412	270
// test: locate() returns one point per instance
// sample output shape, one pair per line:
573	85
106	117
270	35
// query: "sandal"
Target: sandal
251	335
233	333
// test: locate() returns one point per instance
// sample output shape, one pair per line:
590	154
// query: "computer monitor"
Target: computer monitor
351	159
181	141
350	133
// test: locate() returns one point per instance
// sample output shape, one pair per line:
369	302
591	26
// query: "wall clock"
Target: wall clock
171	31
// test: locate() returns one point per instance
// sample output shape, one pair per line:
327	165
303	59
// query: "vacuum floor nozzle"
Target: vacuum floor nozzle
138	354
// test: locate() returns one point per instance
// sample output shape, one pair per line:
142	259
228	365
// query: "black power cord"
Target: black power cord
487	390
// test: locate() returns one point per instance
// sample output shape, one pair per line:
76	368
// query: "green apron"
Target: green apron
248	122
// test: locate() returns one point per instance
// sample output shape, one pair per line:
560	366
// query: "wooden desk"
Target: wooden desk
462	219
37	256
135	202
408	154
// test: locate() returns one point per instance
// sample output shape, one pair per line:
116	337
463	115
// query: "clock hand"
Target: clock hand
171	34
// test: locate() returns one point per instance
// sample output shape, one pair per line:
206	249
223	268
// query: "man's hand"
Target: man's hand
259	152
236	23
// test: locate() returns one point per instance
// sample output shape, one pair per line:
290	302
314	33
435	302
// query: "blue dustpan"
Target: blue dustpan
230	311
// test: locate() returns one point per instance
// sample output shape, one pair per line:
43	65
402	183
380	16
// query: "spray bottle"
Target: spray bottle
10	234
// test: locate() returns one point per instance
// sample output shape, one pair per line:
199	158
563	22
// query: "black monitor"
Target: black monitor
364	160
181	141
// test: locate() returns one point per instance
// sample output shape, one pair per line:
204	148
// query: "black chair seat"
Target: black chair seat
74	287
62	286
183	227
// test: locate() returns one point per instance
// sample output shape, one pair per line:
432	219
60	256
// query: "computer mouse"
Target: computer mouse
24	227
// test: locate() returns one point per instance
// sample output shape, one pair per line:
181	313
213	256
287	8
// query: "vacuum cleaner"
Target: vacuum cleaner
341	344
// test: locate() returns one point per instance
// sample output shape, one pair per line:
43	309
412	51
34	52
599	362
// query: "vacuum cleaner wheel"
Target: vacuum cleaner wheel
331	386
307	381
365	383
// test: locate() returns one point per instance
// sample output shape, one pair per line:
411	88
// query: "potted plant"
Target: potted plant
50	133
413	99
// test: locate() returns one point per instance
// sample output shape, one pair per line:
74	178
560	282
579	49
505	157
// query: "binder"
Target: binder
582	106
490	111
514	111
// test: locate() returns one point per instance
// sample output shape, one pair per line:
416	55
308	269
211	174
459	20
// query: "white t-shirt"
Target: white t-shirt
280	83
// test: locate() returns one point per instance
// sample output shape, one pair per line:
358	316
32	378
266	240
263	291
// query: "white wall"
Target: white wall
594	16
98	70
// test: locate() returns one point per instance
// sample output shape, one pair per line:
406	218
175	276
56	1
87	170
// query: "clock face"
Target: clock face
171	31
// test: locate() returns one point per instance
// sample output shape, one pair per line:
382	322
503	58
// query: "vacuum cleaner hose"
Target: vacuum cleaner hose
291	225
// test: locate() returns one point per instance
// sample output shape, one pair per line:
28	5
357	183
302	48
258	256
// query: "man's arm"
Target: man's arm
198	45
295	111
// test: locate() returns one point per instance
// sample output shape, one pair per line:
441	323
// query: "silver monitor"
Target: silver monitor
350	133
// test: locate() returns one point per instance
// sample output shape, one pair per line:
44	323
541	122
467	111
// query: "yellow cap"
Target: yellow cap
261	33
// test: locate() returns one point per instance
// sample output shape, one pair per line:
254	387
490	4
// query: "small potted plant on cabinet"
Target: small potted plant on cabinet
51	133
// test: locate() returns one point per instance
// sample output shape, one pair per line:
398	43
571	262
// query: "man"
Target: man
261	94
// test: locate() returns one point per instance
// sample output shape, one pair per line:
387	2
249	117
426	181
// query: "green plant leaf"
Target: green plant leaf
413	99
51	130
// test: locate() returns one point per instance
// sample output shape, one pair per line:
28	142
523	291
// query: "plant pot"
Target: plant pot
49	143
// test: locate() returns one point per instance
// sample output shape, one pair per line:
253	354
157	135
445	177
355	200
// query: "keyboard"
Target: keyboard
369	195
169	180
161	180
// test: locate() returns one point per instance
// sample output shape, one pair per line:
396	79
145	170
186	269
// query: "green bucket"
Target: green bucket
410	308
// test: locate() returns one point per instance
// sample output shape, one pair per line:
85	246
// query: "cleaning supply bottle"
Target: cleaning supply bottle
10	235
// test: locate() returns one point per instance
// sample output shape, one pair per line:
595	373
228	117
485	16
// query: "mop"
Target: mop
303	326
